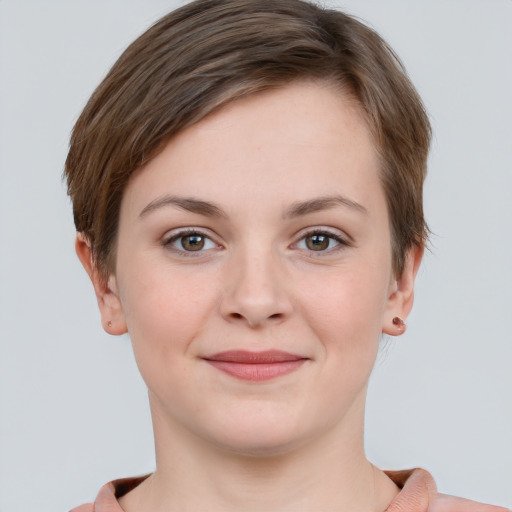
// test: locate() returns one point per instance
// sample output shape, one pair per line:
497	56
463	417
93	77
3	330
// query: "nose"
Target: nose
255	291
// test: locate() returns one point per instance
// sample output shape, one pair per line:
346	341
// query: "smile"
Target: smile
256	366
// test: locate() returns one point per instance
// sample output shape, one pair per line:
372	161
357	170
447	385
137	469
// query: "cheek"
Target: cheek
349	304
165	311
345	311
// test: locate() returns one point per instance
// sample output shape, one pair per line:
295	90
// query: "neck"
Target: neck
328	473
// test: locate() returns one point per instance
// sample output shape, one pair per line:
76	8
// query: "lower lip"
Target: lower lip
257	372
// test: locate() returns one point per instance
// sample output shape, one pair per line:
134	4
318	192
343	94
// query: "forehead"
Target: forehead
301	140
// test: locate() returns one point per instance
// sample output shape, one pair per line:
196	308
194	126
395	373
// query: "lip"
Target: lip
256	366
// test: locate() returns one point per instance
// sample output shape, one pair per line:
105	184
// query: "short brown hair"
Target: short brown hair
210	52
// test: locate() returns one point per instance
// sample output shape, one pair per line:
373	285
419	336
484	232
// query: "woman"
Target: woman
247	191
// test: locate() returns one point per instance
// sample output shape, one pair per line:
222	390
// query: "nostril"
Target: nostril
239	316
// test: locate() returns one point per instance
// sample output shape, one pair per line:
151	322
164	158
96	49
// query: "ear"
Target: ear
109	303
401	294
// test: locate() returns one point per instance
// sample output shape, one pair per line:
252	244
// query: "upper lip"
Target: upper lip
249	357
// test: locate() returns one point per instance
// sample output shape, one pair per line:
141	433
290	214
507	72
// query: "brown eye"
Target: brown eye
322	242
317	242
192	242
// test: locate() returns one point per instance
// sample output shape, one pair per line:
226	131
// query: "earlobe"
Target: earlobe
401	296
106	290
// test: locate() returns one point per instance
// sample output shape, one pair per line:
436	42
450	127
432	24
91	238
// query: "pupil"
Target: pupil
317	242
192	242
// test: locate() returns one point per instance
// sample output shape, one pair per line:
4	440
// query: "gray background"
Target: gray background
73	411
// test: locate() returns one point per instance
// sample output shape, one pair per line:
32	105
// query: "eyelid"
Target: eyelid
343	239
171	236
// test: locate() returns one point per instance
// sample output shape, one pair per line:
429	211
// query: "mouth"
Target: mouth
256	366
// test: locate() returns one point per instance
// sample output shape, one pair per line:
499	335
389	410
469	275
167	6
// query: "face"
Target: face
254	272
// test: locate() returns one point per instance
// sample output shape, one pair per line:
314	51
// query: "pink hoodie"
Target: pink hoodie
418	494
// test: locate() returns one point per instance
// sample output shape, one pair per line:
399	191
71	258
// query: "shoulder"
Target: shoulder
419	494
445	503
106	501
88	507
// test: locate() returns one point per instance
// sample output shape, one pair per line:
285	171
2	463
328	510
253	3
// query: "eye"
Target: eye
190	241
320	241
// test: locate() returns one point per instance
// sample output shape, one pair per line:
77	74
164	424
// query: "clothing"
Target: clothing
418	494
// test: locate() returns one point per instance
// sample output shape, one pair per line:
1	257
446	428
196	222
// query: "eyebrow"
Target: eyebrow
189	204
209	209
322	203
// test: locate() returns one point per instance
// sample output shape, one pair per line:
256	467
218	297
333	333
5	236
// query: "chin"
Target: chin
261	446
260	435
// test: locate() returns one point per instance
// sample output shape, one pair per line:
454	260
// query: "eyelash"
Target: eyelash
342	242
171	240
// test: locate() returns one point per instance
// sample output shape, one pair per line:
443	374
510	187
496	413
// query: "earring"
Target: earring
399	324
109	324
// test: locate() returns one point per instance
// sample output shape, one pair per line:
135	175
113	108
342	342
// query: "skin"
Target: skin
257	285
